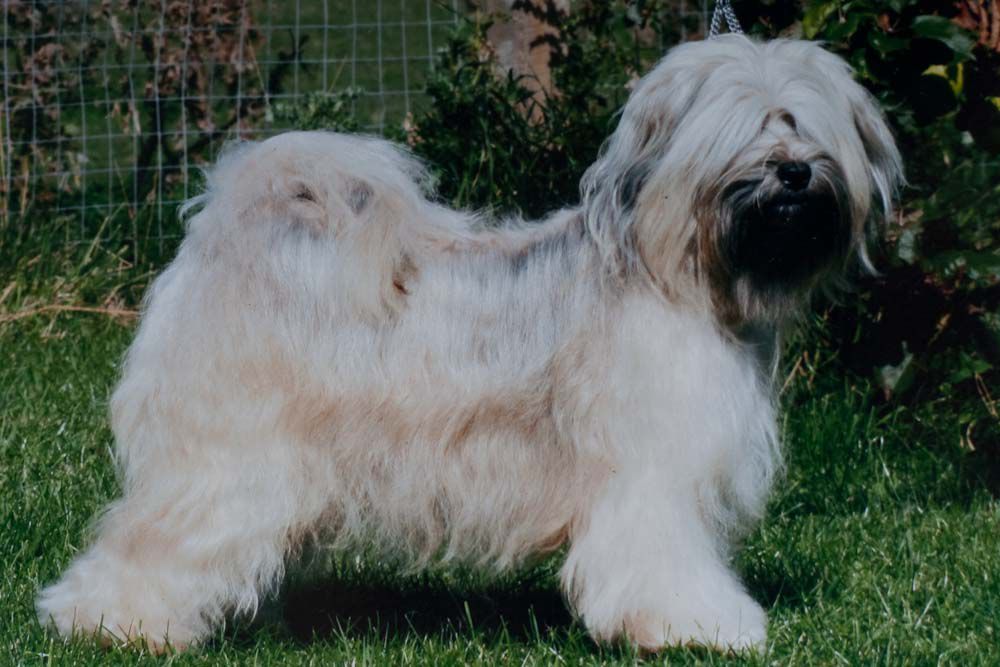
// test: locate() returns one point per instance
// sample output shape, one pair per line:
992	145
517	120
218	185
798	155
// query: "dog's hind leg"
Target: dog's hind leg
198	535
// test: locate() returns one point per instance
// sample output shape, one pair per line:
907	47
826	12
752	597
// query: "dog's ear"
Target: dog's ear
865	148
611	187
884	166
884	160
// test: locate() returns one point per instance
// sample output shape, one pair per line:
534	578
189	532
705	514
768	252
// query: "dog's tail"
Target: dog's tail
318	205
320	182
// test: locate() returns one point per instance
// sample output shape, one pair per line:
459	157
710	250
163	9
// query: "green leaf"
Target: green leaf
978	265
937	27
885	43
969	366
906	246
843	30
984	265
896	379
816	17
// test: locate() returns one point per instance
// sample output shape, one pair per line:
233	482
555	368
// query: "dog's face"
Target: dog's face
750	172
781	212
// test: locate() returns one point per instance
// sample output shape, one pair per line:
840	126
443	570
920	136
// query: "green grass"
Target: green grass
881	546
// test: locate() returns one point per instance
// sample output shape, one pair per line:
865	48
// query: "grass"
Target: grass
880	548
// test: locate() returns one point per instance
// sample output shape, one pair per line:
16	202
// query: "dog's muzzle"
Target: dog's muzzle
782	240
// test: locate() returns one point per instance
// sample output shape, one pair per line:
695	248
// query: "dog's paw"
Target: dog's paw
732	625
100	610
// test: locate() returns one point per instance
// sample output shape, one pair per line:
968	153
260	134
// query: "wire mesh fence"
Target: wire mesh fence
112	105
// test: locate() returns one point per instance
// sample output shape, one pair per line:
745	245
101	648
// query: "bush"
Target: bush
928	327
496	145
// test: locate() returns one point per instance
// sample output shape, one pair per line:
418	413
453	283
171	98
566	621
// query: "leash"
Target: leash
723	9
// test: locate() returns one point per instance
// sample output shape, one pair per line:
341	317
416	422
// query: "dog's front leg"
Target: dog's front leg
649	569
685	431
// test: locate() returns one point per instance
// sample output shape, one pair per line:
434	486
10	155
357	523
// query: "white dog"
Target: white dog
333	356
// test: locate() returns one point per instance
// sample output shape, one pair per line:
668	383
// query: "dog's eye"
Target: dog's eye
789	120
781	117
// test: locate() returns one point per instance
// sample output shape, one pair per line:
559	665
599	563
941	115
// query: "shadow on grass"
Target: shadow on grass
777	585
386	611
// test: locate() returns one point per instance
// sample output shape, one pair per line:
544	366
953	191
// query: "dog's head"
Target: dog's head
743	173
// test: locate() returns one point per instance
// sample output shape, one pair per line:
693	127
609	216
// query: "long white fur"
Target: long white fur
333	356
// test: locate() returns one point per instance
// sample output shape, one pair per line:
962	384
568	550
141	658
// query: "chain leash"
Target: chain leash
723	9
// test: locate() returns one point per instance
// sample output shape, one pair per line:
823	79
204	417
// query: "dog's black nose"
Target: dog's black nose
794	175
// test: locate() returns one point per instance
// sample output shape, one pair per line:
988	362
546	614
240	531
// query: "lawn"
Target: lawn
880	546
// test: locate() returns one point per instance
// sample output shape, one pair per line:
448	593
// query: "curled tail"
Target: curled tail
333	212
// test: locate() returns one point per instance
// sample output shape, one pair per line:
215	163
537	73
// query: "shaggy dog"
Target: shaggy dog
334	356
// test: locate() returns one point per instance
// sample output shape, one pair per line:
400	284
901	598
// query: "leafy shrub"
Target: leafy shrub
497	145
319	111
928	327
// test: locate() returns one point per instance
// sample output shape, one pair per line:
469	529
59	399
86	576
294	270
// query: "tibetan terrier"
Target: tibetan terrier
336	358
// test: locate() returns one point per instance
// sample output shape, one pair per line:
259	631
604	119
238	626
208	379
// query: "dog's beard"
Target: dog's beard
779	239
765	246
781	242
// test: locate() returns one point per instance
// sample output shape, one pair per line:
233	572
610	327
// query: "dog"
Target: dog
336	358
